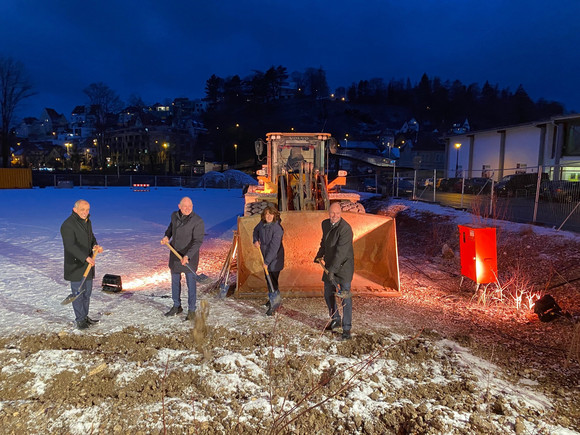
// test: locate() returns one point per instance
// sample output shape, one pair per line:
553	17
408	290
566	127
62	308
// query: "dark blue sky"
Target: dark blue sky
166	49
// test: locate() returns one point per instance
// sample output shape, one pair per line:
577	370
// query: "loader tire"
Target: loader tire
255	207
353	207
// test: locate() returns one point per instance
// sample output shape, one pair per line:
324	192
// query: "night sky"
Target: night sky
160	50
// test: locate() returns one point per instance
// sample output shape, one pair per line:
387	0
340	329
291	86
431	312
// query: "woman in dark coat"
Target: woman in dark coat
268	235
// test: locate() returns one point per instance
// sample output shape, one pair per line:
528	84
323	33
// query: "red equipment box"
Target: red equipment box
478	250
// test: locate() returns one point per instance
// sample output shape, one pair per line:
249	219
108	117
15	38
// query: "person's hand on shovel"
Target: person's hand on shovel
96	250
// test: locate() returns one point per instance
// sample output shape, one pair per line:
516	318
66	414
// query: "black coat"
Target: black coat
270	237
78	241
185	233
337	250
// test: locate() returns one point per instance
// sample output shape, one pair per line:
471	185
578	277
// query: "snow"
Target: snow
129	225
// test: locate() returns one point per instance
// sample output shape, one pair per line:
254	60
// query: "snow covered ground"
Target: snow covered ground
236	382
129	226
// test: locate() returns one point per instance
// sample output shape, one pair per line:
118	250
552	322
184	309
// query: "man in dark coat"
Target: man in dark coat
336	249
185	233
80	246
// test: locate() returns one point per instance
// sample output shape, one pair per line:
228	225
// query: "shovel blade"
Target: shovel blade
202	278
223	291
69	299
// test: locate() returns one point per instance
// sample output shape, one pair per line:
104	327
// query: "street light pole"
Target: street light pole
236	154
457	146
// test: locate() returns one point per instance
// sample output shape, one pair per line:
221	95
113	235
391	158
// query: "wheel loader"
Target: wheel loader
294	178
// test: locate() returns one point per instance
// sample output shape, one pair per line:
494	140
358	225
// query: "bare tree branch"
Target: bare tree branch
14	87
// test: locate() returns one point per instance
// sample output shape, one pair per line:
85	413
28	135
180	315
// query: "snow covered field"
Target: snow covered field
140	372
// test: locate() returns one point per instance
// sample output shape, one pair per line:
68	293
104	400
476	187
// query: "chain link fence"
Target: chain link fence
548	195
40	179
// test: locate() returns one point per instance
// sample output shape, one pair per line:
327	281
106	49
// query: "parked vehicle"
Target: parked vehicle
448	184
369	185
561	191
402	187
477	185
518	184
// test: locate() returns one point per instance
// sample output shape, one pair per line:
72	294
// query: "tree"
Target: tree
14	87
104	101
104	98
214	89
316	84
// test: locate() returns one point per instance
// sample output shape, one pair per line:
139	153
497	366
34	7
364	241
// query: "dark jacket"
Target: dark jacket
270	238
185	233
78	241
337	250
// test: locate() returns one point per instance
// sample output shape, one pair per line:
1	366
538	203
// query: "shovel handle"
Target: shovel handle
333	281
88	269
268	279
173	250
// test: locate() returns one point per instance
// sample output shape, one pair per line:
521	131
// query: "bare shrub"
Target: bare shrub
482	212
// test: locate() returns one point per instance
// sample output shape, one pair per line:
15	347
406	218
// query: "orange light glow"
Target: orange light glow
268	189
140	283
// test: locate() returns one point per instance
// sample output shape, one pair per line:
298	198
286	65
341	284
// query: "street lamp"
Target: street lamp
166	156
457	146
236	154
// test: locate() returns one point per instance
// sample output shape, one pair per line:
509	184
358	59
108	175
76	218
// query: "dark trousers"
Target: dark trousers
330	298
191	290
81	304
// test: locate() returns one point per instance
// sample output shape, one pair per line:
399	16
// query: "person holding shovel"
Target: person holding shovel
267	238
80	248
336	249
185	233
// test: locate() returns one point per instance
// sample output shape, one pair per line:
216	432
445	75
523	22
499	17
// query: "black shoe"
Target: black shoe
83	324
267	304
346	335
174	311
334	324
92	321
190	316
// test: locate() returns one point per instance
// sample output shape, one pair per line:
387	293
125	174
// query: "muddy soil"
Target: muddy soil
394	376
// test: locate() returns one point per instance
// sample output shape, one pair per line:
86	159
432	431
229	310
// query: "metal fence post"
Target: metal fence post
462	188
537	199
434	185
491	198
394	174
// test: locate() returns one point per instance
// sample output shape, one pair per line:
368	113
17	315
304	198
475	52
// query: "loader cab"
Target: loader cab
289	152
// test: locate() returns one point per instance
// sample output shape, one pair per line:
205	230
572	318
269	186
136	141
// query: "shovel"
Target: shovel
271	289
224	287
343	294
70	298
201	278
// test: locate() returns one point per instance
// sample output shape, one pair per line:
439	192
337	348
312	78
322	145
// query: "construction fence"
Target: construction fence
547	195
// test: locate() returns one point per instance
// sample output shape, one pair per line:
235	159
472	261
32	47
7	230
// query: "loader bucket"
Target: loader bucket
375	254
